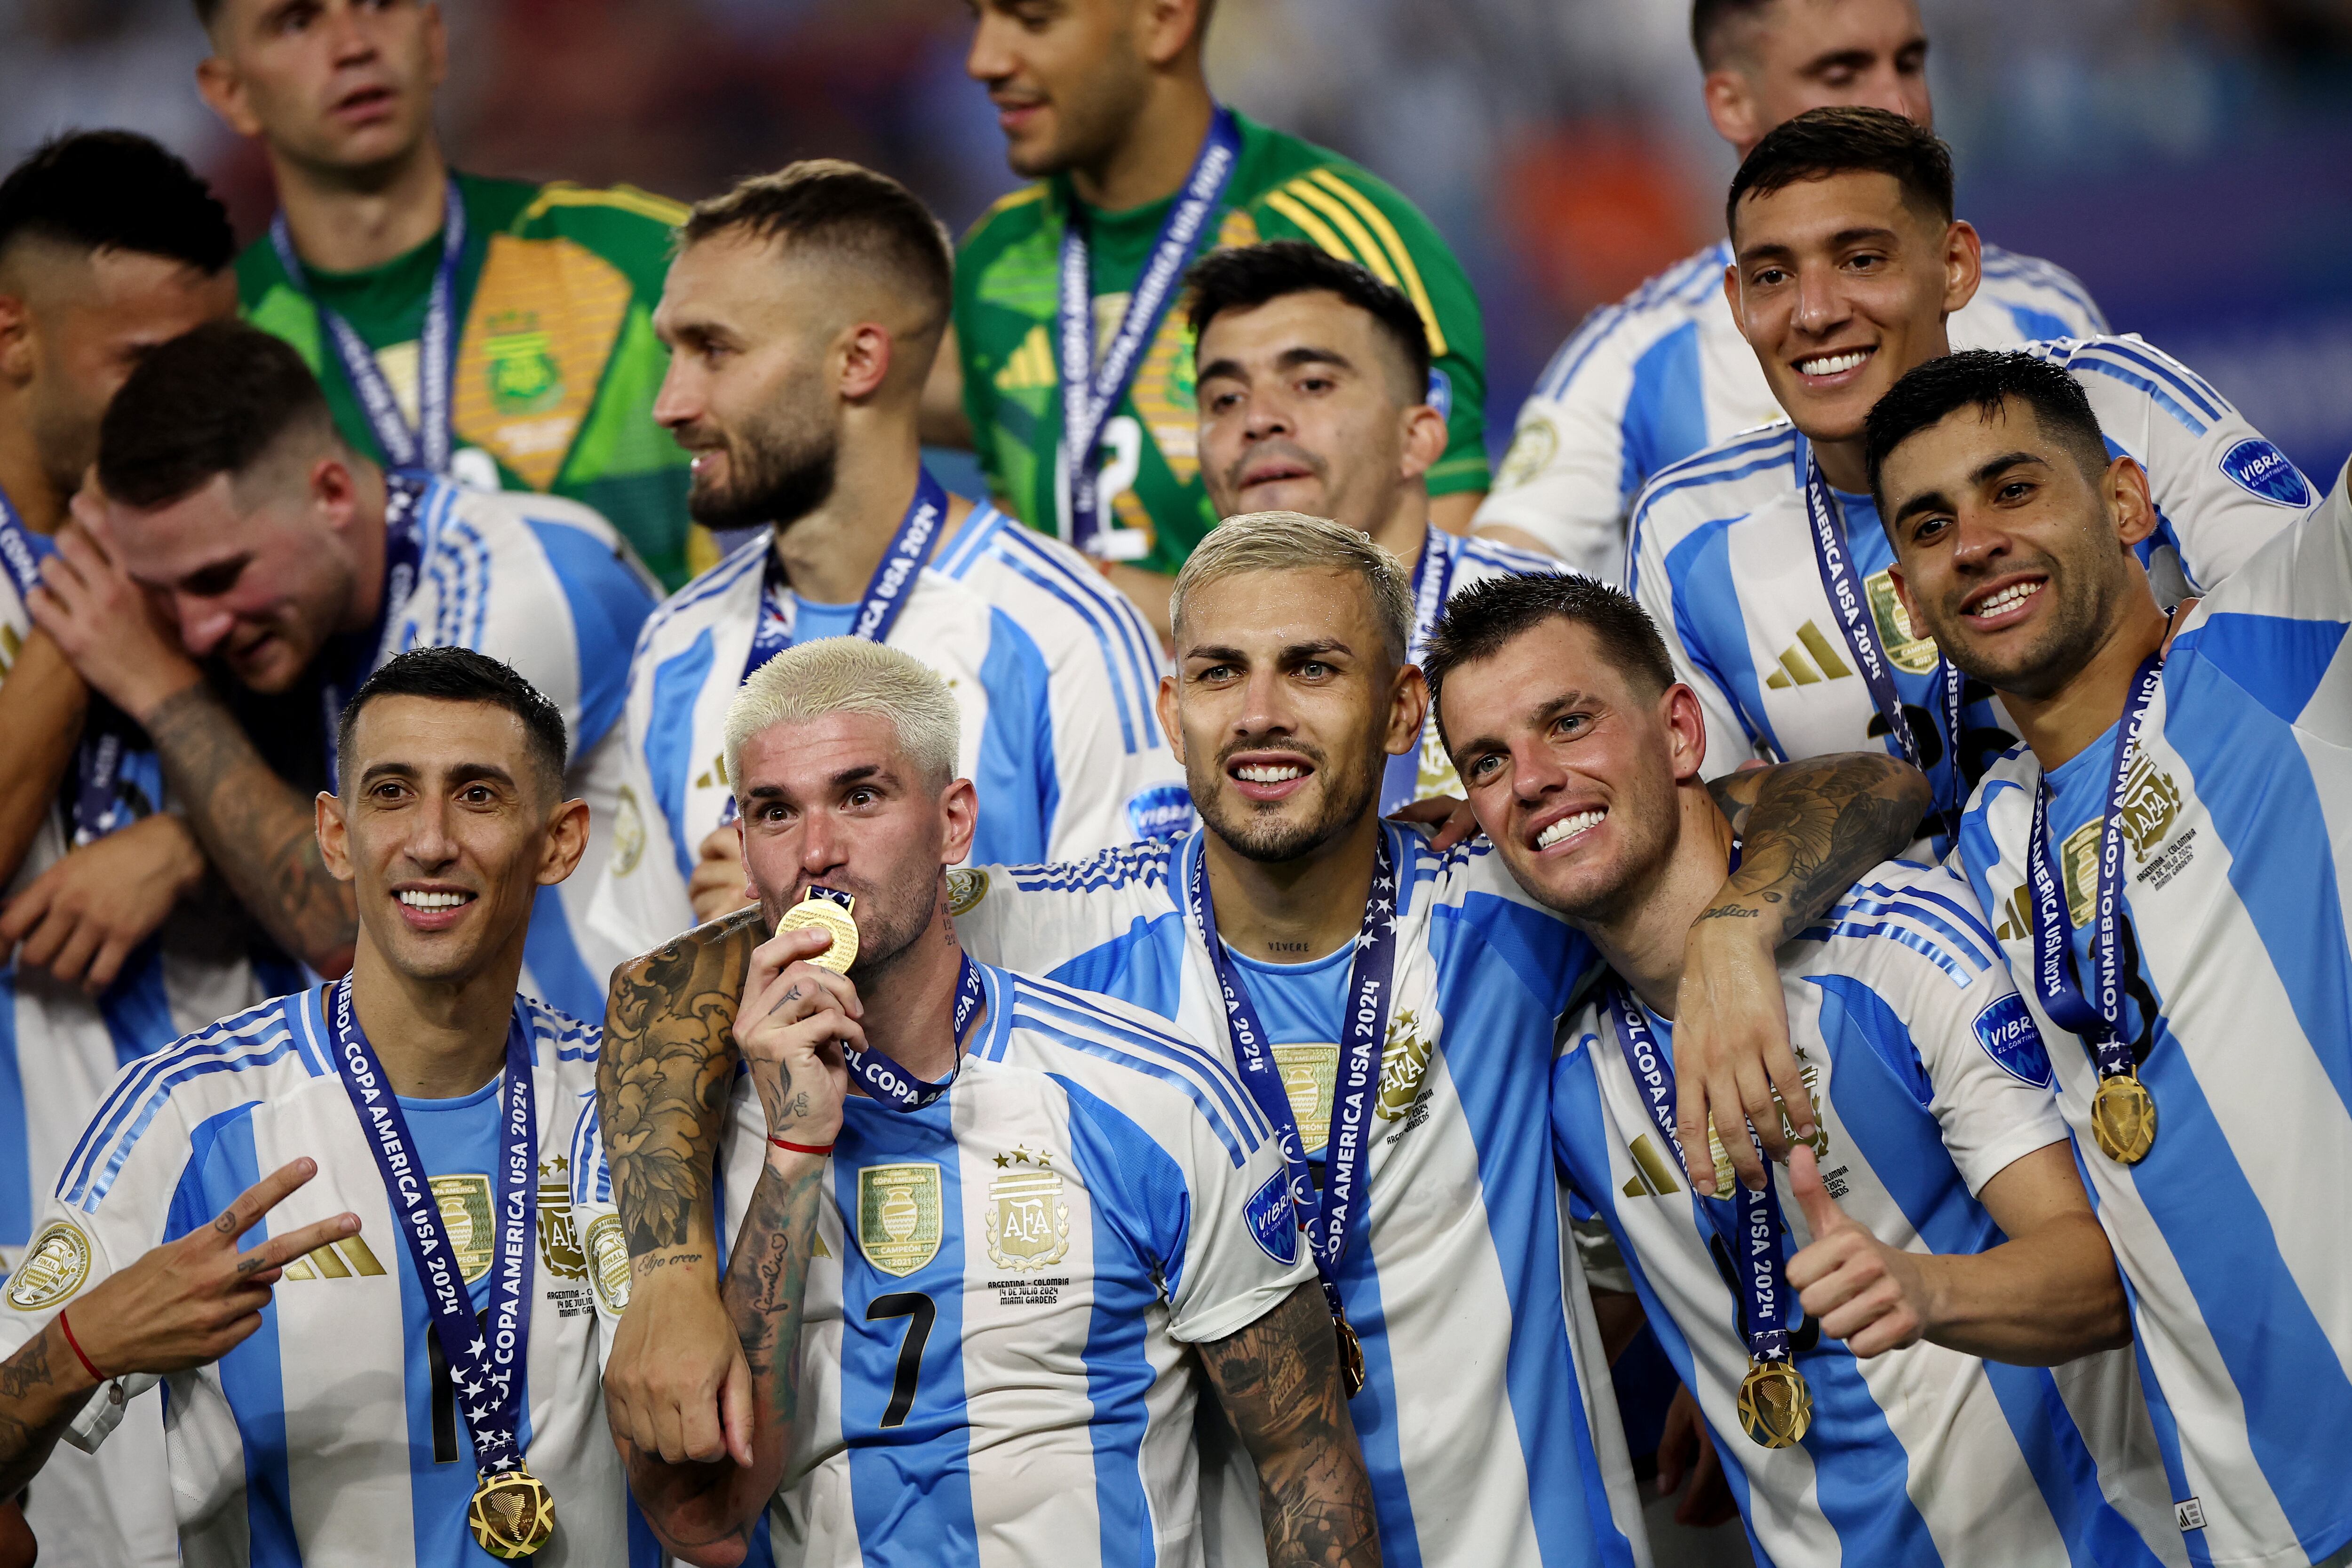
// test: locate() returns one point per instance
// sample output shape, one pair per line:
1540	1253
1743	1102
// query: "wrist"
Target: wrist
75	1370
155	685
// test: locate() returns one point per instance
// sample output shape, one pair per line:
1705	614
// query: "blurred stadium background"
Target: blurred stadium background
2190	160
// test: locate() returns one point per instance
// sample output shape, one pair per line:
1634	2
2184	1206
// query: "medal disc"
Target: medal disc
1351	1358
512	1514
1775	1405
819	909
2123	1118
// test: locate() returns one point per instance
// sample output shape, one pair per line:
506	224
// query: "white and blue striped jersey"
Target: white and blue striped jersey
1665	374
1465	561
549	587
993	1364
1927	1080
1489	1424
1723	560
331	1435
1053	671
2238	983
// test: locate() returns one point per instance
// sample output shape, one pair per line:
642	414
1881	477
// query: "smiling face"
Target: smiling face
336	85
2013	556
1286	706
1571	766
1840	285
1068	78
449	825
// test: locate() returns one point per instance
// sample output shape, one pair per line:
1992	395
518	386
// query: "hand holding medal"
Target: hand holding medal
799	1010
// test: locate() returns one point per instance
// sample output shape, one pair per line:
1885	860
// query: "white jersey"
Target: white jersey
331	1435
1054	674
1664	374
1723	560
993	1364
1927	1080
1487	1419
2237	1000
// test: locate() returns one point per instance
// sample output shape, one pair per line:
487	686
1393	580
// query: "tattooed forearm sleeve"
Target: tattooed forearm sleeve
1279	1382
662	1082
259	833
35	1407
1809	828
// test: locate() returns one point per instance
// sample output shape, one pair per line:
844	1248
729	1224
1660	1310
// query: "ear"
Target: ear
334	491
1424	440
1166	29
2125	488
1169	725
223	90
20	341
865	350
960	811
334	836
1408	710
1731	297
1731	106
567	840
1963	264
1686	730
436	44
1903	597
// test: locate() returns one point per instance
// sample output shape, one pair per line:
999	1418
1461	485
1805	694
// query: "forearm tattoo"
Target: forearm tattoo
1809	828
767	1284
1279	1382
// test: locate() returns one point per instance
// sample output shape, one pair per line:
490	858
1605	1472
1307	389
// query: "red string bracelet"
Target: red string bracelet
792	1149
95	1375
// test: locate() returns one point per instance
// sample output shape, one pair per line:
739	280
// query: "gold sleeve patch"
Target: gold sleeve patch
965	890
55	1266
608	1263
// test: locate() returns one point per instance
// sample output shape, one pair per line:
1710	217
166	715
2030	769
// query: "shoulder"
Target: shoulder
2120	371
259	272
602	217
711	596
1616	335
558	1038
1734	478
1044	581
1009	217
1908	918
1477	559
2041	288
1146	865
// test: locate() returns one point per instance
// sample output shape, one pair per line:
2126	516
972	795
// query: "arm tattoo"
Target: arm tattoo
1279	1382
663	1079
767	1283
257	831
33	1414
1810	828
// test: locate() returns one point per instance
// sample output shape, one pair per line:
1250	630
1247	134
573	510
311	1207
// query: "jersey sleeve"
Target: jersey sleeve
1120	780
2222	489
1655	589
641	900
2283	618
596	1220
1563	482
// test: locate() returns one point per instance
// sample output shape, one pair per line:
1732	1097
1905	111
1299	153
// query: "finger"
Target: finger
805	988
1821	1213
1463	823
108	965
1753	1092
1866	1304
780	952
25	909
1705	1505
704	1426
1780	1062
280	1250
1894	1328
74	953
262	1196
1436	808
45	936
735	1407
1855	1281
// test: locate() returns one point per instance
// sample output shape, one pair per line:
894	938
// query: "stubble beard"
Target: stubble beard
781	475
1265	835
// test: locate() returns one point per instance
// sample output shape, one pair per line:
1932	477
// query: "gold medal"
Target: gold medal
1351	1358
823	907
2123	1118
512	1514
1775	1405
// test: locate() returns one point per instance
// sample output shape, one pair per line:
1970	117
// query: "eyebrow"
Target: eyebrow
461	773
1288	652
1852	60
1983	474
1541	714
846	776
1837	241
1288	359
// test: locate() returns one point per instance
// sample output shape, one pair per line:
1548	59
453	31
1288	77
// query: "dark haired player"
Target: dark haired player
2167	857
1663	372
333	1225
296	565
108	245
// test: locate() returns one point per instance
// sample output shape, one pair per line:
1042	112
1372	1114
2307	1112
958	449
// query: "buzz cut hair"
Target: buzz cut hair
1244	276
1716	27
1987	380
1847	139
458	675
1485	618
849	675
115	190
219	399
1294	541
846	210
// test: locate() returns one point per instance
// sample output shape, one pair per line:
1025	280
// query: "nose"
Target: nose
825	849
430	845
679	402
1534	773
1269	415
1979	541
988	60
348	38
1821	302
1266	710
203	624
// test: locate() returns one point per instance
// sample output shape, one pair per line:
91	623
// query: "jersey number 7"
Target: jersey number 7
916	1306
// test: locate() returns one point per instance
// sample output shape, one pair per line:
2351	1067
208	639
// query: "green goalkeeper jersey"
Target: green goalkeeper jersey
1008	273
557	364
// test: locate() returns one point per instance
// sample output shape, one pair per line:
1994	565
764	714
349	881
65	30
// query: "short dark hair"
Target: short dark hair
841	206
1711	25
1847	139
1985	379
211	401
1244	276
115	190
1484	617
460	675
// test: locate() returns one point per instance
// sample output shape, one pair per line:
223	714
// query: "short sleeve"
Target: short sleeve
596	1220
640	900
1660	595
1562	481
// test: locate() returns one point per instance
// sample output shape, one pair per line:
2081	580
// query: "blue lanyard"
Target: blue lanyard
1835	556
1433	584
21	550
404	554
1761	1253
881	1078
2098	1019
1329	1218
427	446
1090	391
486	1362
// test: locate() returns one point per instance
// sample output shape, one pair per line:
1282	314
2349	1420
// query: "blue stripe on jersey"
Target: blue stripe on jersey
1665	415
1966	933
669	742
2034	325
2167	394
1122	691
556	967
1732	461
2277	660
16	1174
1159	1057
1706	597
137	1008
1925	946
1121	625
972	541
2199	391
1014	773
1375	1410
609	607
1144	967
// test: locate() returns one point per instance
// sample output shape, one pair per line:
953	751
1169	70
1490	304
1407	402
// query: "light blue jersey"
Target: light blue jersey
2237	981
1487	1421
333	1433
1723	560
994	1363
1927	1080
1665	374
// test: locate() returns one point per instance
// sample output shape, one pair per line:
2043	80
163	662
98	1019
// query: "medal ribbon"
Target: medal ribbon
403	554
878	1074
427	446
1090	391
2100	1021
1432	585
485	1365
1330	1218
1763	1261
1834	556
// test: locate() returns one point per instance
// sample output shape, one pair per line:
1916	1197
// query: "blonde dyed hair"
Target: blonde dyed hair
849	675
1294	541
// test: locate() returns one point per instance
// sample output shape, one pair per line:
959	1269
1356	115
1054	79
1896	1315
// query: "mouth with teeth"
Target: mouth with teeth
432	909
1830	366
2003	602
1574	826
1269	778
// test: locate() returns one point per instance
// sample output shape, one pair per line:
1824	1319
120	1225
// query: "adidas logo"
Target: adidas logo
1031	364
337	1261
1654	1175
1797	669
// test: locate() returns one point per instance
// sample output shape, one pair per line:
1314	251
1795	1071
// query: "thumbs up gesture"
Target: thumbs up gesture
1874	1297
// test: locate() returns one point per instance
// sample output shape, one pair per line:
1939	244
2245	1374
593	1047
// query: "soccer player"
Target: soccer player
1389	1007
994	1255
493	331
406	1354
298	565
108	946
1663	372
803	311
1760	559
1943	1231
1313	379
2192	991
1075	377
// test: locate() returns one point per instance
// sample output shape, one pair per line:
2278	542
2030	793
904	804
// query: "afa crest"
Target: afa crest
558	1242
1404	1062
1026	1223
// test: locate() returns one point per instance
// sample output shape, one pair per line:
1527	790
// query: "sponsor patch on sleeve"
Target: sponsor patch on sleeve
1161	811
2261	469
2007	1032
1273	1221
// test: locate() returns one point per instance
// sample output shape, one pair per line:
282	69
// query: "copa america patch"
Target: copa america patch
1162	810
1272	1221
2258	469
2008	1034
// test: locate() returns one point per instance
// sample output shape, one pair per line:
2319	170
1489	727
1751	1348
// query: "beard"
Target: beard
781	471
1262	832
